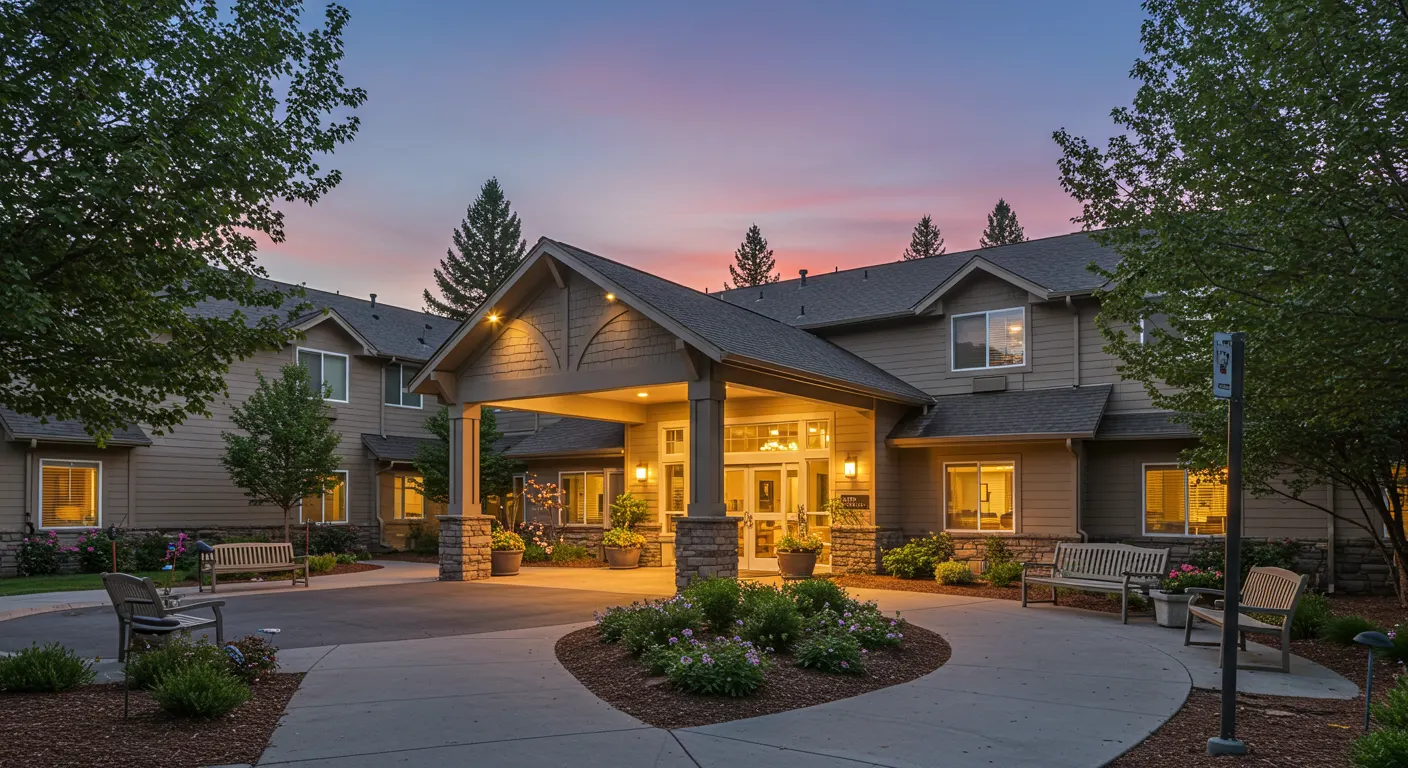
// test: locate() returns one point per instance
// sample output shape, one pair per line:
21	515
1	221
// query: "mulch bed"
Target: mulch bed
610	672
84	728
408	557
1087	600
585	562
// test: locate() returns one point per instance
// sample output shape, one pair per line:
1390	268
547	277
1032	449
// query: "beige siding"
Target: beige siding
17	499
1100	367
1045	484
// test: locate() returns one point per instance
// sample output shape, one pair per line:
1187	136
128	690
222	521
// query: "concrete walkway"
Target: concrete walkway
1042	686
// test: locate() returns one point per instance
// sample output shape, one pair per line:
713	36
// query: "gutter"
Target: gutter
922	442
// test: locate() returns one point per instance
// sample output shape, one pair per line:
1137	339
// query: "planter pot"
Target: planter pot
623	558
796	565
505	562
1170	610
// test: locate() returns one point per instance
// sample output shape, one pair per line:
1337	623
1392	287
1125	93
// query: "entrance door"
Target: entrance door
759	496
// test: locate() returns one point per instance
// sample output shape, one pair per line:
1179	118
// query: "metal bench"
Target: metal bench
1274	591
249	558
1099	568
136	597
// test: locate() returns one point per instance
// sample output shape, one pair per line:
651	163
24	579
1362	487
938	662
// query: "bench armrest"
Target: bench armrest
1205	591
140	601
1037	565
203	604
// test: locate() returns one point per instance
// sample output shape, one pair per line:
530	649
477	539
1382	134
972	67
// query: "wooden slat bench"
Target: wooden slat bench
250	558
1274	591
1099	568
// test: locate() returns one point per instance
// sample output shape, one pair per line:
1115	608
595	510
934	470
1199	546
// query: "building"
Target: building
967	393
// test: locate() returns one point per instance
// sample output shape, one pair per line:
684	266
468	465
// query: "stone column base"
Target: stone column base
856	548
464	547
705	547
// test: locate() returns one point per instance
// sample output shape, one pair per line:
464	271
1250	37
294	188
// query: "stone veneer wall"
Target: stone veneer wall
857	548
464	547
1025	547
705	547
1360	568
650	555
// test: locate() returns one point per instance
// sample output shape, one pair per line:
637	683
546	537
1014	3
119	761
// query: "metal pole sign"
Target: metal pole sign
1228	352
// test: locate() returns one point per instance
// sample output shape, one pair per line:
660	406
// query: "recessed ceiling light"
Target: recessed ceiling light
642	394
493	318
610	297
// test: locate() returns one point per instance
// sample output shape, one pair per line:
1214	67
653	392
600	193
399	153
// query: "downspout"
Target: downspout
1330	547
1075	341
1075	449
29	496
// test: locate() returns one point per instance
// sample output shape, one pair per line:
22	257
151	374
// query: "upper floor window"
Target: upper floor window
994	339
1182	503
69	493
328	370
395	381
750	438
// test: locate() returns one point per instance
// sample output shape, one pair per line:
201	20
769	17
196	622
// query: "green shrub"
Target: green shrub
332	538
94	549
1312	614
628	511
532	553
200	691
564	552
838	652
322	563
1003	574
1341	630
657	621
251	657
42	555
720	667
995	551
1268	554
44	668
917	558
1392	712
423	537
952	573
146	669
717	600
863	621
1380	749
814	595
770	619
346	558
613	622
1399	650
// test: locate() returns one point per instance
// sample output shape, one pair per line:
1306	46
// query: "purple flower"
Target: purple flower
738	622
845	665
688	633
674	640
705	658
686	660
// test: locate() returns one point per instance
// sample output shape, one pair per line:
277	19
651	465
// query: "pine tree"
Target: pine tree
925	242
1003	228
488	246
753	262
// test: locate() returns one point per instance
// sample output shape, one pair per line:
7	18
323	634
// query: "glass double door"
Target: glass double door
761	496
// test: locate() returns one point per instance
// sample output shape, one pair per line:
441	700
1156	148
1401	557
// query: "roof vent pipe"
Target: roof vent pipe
373	301
760	294
804	310
865	275
803	273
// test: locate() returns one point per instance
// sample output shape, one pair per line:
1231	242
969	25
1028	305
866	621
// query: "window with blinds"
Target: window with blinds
407	501
583	497
69	493
1179	503
995	339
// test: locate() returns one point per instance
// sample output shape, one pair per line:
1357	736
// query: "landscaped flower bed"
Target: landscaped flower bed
722	651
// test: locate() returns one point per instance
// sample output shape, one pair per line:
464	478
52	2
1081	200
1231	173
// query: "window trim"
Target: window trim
1016	495
346	493
987	340
97	494
347	366
562	496
1187	500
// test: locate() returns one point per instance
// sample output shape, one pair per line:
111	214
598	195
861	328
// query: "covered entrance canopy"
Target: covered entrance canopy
574	334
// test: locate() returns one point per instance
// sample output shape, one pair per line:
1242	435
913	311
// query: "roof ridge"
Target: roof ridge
349	297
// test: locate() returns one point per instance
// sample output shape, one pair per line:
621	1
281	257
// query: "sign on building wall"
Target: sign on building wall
859	501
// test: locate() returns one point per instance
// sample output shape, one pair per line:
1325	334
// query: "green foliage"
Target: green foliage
720	667
151	551
322	563
628	511
863	621
622	537
954	573
532	553
613	622
488	246
42	555
655	622
995	550
1312	614
145	669
1392	712
717	601
44	668
1003	574
332	538
346	558
809	543
1341	630
926	241
505	541
814	595
251	657
148	147
842	514
1186	576
1245	192
917	558
1386	748
770	619
837	652
1268	554
1399	650
94	550
565	552
423	538
201	691
753	263
1002	228
433	459
288	451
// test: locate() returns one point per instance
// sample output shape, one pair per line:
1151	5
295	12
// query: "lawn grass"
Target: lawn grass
68	582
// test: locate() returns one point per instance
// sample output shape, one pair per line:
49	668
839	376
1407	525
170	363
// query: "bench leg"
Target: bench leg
1124	606
1024	590
214	577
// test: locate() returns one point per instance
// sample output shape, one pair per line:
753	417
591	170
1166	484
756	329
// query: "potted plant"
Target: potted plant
798	549
506	553
623	547
1171	598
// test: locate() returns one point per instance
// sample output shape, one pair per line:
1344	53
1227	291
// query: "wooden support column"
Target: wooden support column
465	531
464	460
706	449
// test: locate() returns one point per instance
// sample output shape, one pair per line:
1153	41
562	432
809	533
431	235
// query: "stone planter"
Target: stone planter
1170	610
505	562
622	558
796	565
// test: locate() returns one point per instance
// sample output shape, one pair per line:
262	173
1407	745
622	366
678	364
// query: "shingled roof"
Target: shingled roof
393	447
572	437
1058	266
1054	413
1132	426
20	427
391	331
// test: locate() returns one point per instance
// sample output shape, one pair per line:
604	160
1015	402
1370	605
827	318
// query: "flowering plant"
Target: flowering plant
252	657
864	621
1187	576
654	622
838	652
723	666
805	543
505	541
623	538
42	555
94	549
545	496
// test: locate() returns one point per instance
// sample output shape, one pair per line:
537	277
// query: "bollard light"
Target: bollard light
1372	640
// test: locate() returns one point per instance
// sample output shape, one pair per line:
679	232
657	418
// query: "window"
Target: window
980	496
395	380
326	369
996	339
674	488
753	438
1181	503
331	507
583	497
674	442
406	500
818	435
69	493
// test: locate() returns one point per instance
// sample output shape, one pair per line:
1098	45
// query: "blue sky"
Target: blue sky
655	132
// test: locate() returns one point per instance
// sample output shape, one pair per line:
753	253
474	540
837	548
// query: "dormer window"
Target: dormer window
396	381
993	339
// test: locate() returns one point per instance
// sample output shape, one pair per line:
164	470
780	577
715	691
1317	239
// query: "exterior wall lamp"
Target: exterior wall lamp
849	467
640	472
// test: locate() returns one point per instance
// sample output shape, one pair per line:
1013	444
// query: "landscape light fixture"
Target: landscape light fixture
1373	640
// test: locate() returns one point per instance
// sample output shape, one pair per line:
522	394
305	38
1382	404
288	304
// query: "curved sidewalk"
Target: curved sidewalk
1033	687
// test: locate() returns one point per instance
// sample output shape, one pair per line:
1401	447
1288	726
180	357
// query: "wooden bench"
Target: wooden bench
1274	591
133	596
1099	568
250	558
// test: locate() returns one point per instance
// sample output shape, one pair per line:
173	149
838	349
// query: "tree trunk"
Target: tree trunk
1402	582
287	540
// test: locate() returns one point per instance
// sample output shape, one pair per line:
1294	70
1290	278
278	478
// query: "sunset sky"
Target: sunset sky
654	133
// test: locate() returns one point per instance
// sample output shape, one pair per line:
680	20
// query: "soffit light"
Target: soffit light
610	297
642	394
493	317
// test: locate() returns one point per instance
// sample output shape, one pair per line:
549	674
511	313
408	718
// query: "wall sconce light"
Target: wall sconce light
640	472
610	297
849	468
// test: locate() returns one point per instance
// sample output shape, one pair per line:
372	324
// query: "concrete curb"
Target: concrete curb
56	607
